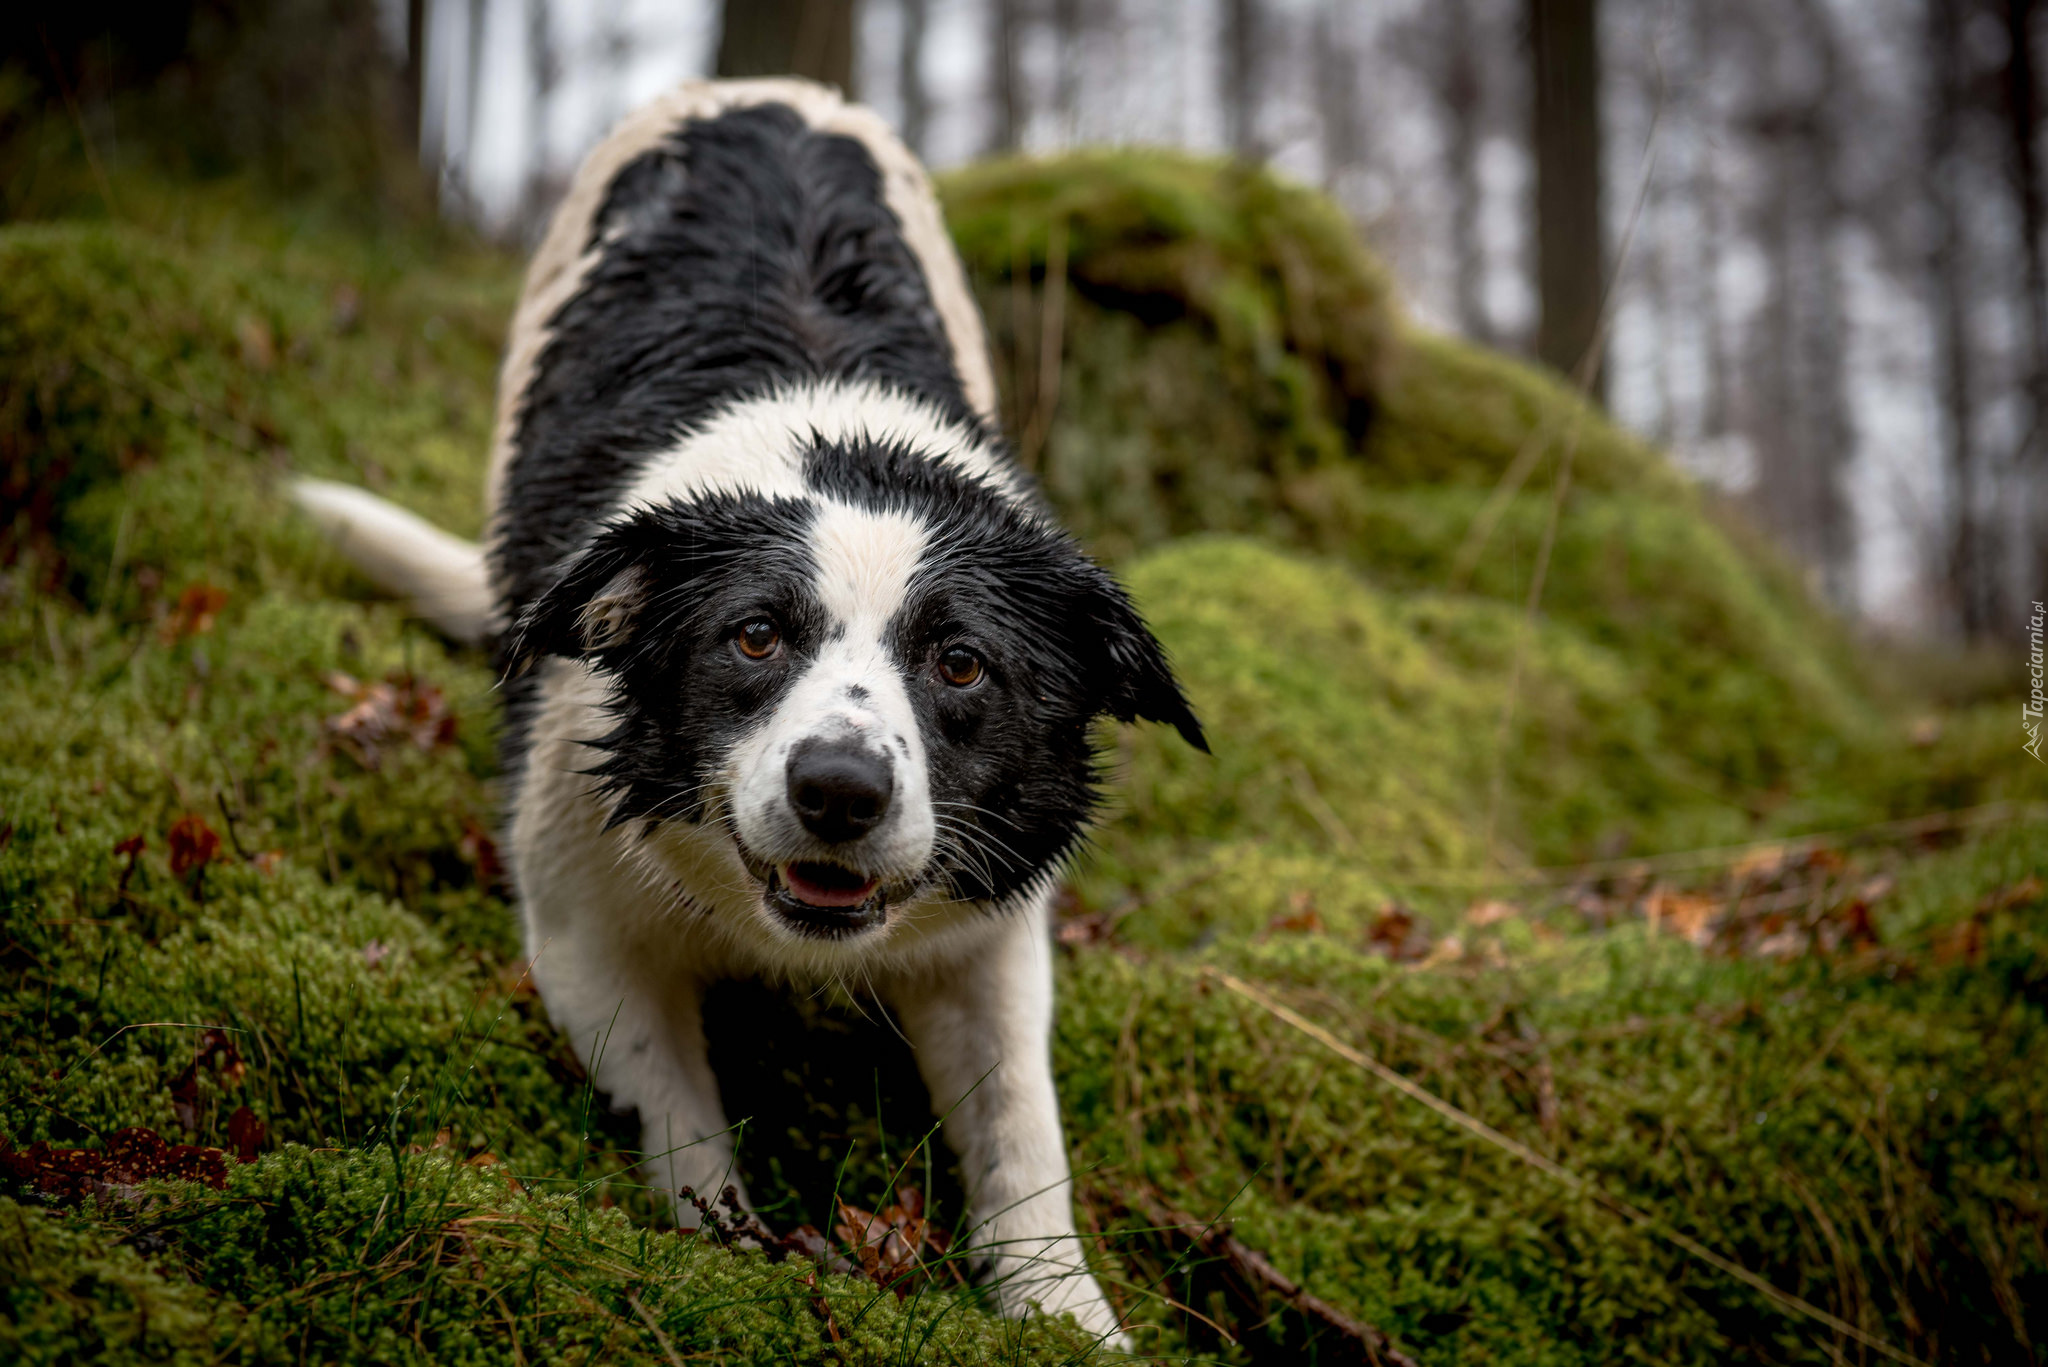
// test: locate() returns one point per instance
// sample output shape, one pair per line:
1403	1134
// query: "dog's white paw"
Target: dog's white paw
1076	1295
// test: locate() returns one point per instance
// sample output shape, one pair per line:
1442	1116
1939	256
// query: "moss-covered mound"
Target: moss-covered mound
248	895
1189	346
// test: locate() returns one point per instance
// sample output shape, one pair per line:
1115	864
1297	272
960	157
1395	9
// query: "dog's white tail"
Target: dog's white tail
441	575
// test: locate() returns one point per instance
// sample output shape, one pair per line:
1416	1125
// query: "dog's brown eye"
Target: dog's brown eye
960	666
759	638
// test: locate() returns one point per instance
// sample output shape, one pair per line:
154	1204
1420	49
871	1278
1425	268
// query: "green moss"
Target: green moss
1231	365
1852	1132
1225	331
396	1257
1389	734
70	1293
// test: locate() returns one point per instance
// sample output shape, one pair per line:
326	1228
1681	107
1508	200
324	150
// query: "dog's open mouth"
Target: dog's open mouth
819	884
826	901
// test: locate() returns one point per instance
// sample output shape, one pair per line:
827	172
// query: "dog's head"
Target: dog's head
881	687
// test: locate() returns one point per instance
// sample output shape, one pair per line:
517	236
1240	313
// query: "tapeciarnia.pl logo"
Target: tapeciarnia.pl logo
2037	699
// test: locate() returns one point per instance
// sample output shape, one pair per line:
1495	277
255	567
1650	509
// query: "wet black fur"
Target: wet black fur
751	251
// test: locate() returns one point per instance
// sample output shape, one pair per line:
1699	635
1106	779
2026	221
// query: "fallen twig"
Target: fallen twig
1344	1339
1465	1120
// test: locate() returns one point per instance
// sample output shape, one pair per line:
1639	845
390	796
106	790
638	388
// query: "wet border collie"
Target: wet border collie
800	672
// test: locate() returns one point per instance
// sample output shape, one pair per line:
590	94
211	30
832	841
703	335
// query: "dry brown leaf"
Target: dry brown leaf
1490	912
259	348
890	1243
215	1053
1762	862
1088	929
197	606
1962	943
247	1133
1396	933
193	843
1300	918
1786	944
1686	915
1448	950
2024	893
129	1158
480	852
400	709
1849	925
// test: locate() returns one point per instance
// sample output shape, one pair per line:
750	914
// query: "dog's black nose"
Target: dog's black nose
840	792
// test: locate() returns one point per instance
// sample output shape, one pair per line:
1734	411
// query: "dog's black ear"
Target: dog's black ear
1139	683
592	607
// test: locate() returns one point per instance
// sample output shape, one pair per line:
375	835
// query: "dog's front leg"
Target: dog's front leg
640	1033
982	1031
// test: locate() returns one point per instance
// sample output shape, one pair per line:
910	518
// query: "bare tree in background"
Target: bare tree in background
910	73
1970	553
1717	409
1069	19
544	67
1242	50
473	116
1337	74
2023	148
413	74
1564	41
614	52
811	38
1801	425
1006	68
1441	43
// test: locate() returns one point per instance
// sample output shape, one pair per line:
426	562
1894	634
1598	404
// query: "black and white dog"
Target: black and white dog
800	671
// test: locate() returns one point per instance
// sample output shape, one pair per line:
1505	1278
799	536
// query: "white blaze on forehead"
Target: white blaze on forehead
852	689
758	445
865	561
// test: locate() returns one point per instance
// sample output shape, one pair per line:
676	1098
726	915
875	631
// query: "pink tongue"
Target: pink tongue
818	895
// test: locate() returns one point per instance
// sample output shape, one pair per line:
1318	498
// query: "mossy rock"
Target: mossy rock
1189	344
1228	358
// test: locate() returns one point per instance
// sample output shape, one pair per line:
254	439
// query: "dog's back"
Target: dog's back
639	320
731	239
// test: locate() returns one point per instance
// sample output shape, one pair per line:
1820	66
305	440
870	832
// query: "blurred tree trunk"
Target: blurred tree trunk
2023	134
910	74
1241	79
1337	71
1068	19
1806	438
1564	42
413	75
1968	553
473	115
1460	92
544	69
1717	419
811	38
1005	66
